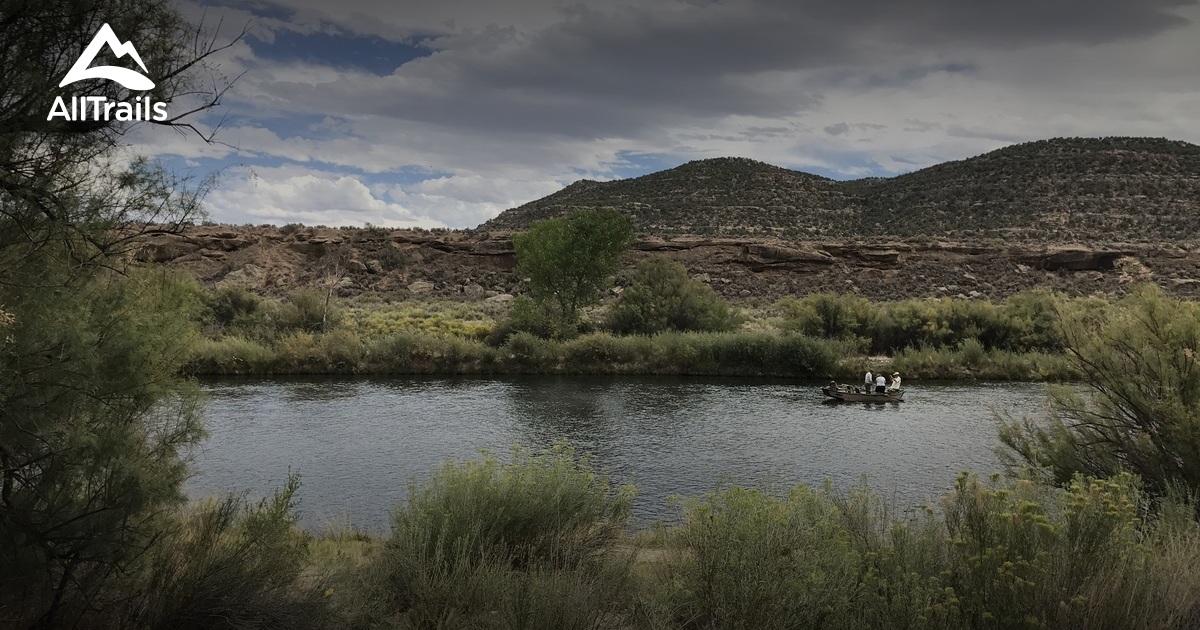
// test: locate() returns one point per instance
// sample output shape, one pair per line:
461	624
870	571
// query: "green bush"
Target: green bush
1009	554
529	543
306	310
231	304
227	564
1139	362
662	297
829	315
527	316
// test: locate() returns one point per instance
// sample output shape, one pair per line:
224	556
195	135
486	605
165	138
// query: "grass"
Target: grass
819	336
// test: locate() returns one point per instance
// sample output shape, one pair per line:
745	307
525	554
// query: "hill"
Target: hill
1050	191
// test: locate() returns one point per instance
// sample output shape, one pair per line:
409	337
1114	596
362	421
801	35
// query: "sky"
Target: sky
444	113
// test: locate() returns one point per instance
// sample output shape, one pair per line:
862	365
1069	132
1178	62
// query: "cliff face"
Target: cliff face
1037	214
479	264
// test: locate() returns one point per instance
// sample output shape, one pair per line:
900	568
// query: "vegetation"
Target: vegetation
540	542
1140	365
491	545
94	417
1019	339
661	297
568	261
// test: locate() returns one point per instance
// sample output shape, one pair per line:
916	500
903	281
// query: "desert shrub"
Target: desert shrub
1032	321
748	560
435	319
497	545
999	554
341	351
231	304
829	315
1139	363
604	352
231	355
661	297
305	309
228	564
391	258
527	316
528	351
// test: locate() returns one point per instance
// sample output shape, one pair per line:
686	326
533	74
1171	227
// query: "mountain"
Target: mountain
1060	190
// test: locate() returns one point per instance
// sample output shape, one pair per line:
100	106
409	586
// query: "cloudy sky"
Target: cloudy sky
446	112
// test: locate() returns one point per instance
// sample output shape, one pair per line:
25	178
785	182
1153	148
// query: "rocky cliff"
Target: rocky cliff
479	264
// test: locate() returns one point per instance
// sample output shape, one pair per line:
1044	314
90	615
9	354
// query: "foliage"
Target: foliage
228	564
662	297
527	316
93	415
497	545
1141	372
568	261
440	319
996	555
1025	322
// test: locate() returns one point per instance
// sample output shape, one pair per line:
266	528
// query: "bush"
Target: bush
662	297
530	543
306	310
527	316
829	315
997	555
1140	365
226	564
231	304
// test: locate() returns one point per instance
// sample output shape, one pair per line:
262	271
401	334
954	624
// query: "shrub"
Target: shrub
829	315
507	545
230	304
1140	365
306	309
527	316
662	297
227	564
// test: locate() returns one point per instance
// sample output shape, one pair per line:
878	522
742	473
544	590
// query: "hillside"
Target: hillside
1077	190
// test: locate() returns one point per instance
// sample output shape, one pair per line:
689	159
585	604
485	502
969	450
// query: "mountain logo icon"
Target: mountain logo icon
126	77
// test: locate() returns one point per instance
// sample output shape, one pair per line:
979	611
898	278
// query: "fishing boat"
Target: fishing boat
846	393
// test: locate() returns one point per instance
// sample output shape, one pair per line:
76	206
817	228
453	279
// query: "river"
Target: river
358	443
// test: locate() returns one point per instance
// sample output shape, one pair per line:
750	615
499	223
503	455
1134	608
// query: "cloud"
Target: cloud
291	196
492	104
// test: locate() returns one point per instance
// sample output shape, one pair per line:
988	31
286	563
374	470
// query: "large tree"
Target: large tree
93	418
568	261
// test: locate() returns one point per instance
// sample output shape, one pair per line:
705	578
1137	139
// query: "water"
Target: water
357	443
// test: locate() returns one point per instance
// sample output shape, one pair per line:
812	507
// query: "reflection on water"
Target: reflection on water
358	443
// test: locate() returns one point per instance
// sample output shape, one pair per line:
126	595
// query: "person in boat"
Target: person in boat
868	382
880	384
895	384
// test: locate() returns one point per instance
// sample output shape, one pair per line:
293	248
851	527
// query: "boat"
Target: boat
846	393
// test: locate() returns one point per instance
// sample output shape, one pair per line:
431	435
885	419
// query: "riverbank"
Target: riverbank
824	336
486	544
759	354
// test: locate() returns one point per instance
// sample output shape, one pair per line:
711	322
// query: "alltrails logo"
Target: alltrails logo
99	107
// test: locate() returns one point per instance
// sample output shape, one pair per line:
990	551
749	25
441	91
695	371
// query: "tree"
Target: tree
568	261
663	297
93	417
1142	408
